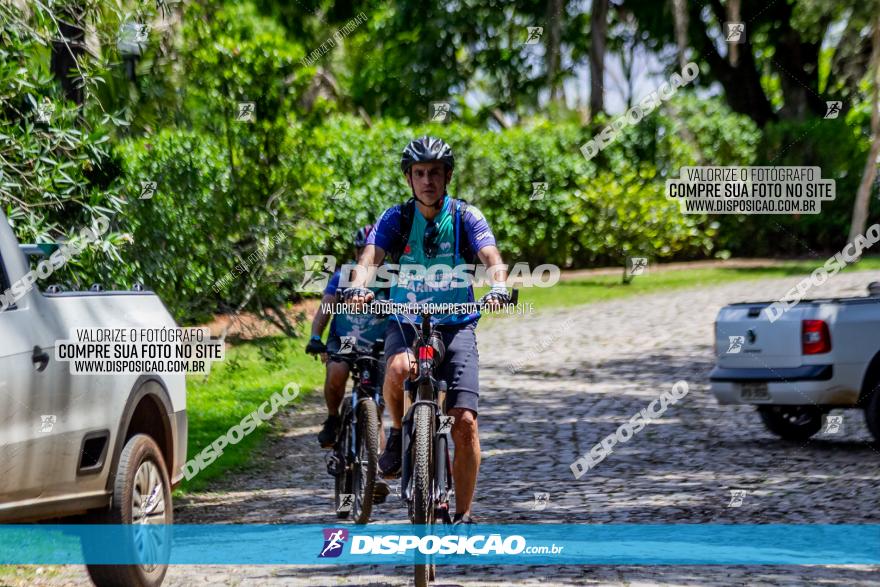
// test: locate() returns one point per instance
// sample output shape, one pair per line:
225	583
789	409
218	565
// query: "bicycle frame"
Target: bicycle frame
364	373
365	369
425	390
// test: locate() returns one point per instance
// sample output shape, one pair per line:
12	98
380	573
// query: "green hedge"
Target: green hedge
592	212
201	223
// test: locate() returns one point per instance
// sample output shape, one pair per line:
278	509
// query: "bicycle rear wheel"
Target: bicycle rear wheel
366	466
343	484
423	467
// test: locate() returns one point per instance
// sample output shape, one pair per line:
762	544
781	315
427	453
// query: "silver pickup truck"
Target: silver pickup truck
108	447
795	367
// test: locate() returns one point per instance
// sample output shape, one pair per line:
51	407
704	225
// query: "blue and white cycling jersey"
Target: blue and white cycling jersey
415	290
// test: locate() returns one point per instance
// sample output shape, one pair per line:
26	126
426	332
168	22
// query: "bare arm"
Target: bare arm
322	316
495	268
370	259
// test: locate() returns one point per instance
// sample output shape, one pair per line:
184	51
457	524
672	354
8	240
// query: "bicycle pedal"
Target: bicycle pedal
380	493
333	465
441	513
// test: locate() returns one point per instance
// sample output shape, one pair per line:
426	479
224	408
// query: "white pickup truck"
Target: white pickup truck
819	355
109	446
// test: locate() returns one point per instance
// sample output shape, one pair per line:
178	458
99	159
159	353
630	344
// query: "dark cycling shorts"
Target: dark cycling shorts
461	363
334	344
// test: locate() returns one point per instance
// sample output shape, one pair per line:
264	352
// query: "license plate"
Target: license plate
754	392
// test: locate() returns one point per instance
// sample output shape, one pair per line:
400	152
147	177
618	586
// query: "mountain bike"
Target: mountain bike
426	474
354	461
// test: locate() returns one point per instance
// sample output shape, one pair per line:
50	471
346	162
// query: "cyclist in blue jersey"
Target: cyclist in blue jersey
347	333
439	232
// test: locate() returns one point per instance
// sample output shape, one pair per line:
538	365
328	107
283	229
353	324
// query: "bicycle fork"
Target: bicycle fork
344	454
442	469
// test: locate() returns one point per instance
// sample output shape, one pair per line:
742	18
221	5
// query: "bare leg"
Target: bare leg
396	370
466	463
334	385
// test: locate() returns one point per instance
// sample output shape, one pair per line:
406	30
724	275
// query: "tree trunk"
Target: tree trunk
797	64
555	15
500	118
733	15
680	16
862	203
598	35
67	49
742	83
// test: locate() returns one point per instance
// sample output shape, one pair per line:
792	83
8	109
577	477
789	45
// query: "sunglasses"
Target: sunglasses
429	244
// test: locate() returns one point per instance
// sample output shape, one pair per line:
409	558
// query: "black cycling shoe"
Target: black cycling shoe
441	513
390	461
380	491
327	435
462	519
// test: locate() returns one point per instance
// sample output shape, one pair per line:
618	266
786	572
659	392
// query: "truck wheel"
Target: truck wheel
792	422
872	413
141	495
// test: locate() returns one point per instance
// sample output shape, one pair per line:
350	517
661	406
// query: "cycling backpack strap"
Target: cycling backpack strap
401	234
462	238
456	231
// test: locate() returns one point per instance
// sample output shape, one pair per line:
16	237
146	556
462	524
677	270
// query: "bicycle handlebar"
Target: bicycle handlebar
386	307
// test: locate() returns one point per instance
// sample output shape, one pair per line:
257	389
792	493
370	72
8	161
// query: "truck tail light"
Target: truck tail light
815	337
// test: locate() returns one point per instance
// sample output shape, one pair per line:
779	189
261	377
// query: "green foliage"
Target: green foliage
238	386
57	171
228	190
179	247
223	192
839	151
702	131
344	151
588	215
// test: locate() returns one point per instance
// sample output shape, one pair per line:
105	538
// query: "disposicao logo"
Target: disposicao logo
431	544
334	539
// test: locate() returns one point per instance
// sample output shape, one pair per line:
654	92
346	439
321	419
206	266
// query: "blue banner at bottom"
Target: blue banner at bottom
551	544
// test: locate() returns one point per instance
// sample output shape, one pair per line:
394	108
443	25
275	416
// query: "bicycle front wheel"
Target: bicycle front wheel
366	466
423	467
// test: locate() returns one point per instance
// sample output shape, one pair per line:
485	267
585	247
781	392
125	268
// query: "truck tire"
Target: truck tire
141	495
792	422
872	412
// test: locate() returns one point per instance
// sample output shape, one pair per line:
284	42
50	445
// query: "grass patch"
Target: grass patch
606	287
27	574
249	375
254	370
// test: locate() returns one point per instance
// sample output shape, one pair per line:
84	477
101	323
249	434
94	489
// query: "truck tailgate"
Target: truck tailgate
745	337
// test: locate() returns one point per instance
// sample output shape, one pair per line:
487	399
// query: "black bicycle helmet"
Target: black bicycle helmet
360	237
424	150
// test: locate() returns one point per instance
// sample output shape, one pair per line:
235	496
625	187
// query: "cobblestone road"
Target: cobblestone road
601	364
